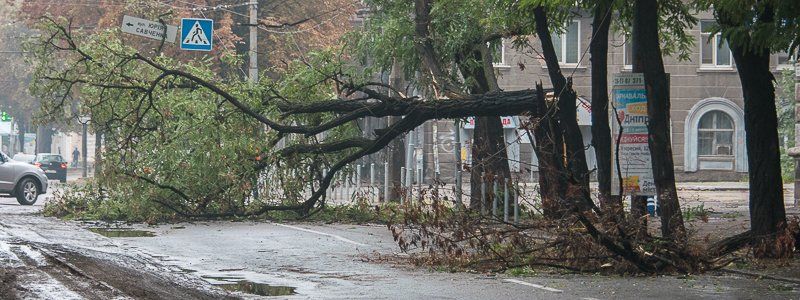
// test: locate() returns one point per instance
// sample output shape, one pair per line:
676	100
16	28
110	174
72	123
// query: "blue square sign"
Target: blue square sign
197	34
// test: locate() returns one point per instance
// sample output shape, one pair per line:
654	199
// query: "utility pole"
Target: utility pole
252	74
253	55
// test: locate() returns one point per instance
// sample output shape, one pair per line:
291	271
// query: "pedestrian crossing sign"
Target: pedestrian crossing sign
197	34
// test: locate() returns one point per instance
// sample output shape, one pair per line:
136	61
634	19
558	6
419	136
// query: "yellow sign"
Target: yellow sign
637	108
631	184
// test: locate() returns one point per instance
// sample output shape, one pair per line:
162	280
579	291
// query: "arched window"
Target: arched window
715	134
714	137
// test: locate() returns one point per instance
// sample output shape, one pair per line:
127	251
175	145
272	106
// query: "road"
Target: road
297	261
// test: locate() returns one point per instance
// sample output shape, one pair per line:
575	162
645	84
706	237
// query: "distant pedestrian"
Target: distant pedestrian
75	156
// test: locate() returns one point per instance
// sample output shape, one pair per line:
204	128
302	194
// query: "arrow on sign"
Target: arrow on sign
128	24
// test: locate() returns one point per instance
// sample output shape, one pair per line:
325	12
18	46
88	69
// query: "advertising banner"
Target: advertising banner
630	107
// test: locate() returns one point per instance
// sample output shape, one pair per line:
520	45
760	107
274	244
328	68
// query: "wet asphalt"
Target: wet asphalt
335	261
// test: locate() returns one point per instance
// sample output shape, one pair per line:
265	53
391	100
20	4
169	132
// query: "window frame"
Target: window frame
706	38
626	54
562	56
714	130
502	63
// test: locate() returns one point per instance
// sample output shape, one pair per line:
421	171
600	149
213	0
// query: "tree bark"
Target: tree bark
648	60
549	149
22	127
577	176
489	155
396	151
767	211
601	130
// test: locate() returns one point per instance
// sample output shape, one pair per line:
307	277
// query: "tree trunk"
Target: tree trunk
21	136
767	212
647	60
549	149
396	151
567	115
44	139
601	131
489	155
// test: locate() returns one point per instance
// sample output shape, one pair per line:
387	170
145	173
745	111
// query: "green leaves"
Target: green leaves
771	25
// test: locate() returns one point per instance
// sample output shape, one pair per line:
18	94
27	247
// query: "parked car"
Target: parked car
21	180
54	166
26	158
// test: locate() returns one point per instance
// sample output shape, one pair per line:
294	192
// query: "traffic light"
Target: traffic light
5	117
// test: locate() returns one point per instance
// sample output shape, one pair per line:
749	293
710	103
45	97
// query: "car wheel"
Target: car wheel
27	192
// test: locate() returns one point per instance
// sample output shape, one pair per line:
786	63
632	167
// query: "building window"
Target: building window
715	134
567	44
498	51
627	54
714	137
714	50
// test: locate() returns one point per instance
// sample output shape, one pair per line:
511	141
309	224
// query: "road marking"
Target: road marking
343	239
541	287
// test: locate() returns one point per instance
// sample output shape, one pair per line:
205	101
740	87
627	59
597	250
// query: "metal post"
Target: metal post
252	74
403	177
505	200
494	197
410	164
419	183
403	183
253	53
457	151
516	204
410	183
533	155
83	149
358	179
483	193
797	136
372	178
386	182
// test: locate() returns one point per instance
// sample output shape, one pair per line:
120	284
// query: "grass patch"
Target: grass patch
526	271
699	212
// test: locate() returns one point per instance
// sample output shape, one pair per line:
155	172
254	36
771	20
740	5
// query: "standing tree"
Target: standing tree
755	30
601	130
647	59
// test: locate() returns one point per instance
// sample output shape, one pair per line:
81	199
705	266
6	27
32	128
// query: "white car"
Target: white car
21	180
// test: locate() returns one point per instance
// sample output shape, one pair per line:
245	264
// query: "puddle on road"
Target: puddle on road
121	232
259	289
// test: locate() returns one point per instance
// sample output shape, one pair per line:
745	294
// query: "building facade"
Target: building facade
707	117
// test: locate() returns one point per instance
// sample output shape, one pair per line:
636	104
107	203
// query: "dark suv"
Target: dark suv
21	180
53	165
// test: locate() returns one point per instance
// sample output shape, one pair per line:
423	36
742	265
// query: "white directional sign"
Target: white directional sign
149	29
197	34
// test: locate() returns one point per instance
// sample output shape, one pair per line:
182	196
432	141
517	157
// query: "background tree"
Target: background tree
14	97
456	36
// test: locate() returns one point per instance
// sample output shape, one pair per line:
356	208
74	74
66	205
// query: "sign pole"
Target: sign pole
252	74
